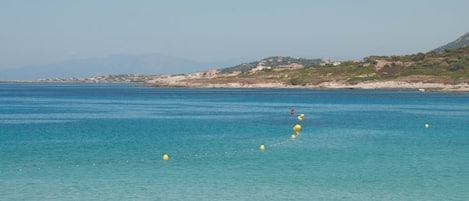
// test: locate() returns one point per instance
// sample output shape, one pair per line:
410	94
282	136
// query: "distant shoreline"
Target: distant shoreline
182	81
190	81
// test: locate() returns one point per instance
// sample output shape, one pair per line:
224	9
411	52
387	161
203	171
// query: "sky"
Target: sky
50	31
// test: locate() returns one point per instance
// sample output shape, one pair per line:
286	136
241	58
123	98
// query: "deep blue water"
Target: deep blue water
105	142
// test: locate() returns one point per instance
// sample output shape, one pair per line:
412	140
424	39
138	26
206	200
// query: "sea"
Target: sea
70	141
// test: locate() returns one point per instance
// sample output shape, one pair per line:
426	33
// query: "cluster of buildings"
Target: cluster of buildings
327	62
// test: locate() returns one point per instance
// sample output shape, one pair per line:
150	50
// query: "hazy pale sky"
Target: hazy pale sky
47	31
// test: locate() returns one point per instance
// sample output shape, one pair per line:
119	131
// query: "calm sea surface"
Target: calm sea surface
106	141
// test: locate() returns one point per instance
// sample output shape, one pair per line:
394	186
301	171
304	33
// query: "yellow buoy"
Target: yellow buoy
293	136
302	115
300	118
262	147
297	128
165	157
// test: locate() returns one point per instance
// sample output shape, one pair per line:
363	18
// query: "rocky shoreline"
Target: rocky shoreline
184	81
421	86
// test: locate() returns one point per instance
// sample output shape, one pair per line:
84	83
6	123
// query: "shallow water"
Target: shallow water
105	142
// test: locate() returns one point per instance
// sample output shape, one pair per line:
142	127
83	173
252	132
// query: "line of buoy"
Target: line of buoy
296	128
262	147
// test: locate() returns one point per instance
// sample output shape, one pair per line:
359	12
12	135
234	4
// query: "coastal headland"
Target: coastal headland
202	82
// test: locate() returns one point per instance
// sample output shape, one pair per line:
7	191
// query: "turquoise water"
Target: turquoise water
105	142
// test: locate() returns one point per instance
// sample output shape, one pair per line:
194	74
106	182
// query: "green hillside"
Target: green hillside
449	66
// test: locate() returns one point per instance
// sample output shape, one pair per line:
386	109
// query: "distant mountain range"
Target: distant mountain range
461	42
143	64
